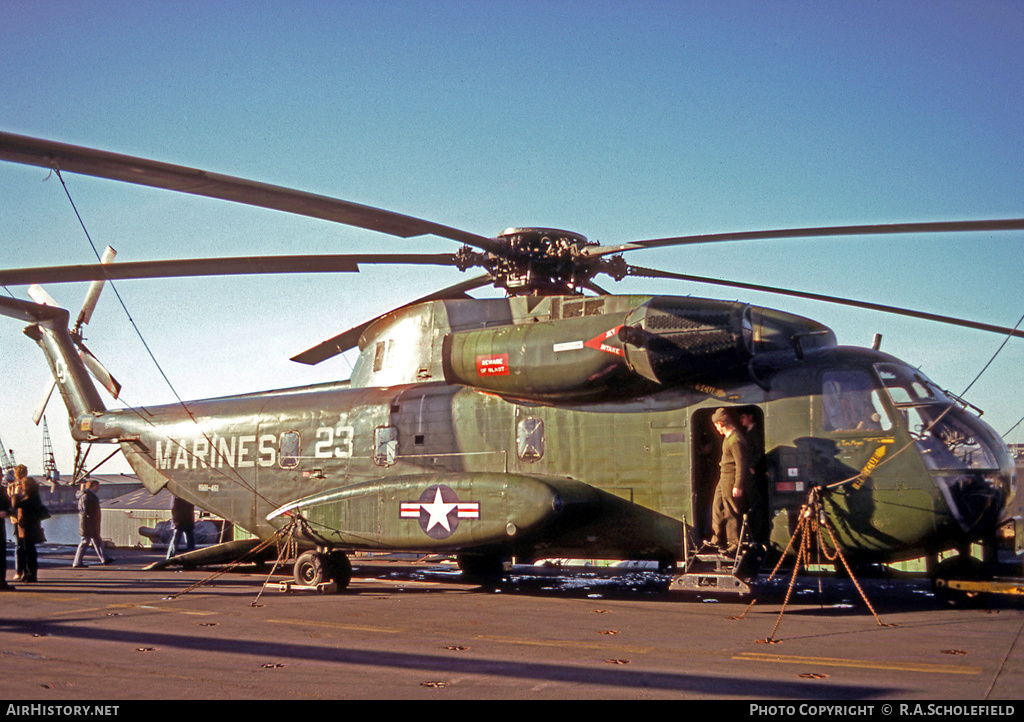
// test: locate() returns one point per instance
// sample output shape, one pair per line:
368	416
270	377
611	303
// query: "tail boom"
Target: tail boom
49	329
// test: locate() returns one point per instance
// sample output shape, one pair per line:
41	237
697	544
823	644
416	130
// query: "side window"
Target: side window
530	439
851	403
385	445
378	355
289	447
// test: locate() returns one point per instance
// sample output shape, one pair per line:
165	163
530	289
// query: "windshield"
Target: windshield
851	402
909	386
959	449
947	437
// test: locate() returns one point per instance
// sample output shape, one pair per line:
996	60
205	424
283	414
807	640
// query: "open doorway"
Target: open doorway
706	445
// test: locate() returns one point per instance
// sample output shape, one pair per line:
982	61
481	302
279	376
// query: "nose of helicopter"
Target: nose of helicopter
976	500
980	487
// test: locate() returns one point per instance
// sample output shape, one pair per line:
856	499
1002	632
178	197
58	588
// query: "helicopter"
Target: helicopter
548	423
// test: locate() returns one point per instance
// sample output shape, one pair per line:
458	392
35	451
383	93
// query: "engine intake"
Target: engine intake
676	340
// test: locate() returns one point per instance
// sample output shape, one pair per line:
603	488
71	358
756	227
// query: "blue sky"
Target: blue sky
618	120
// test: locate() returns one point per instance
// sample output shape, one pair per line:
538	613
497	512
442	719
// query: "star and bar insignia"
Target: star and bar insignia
439	511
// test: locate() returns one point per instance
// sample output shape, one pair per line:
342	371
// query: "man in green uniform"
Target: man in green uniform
733	479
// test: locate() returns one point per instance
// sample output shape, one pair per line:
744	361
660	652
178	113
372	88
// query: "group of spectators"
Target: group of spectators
21	504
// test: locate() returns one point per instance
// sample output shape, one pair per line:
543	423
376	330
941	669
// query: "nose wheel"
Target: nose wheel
313	568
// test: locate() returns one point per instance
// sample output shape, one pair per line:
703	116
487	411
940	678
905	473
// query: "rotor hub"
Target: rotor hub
544	242
540	261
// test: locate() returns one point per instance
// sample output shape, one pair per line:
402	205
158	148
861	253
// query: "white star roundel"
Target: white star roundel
439	510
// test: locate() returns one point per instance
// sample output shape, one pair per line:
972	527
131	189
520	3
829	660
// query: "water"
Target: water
62	529
59	529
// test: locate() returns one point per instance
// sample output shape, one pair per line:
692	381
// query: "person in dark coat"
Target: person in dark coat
89	523
758	515
730	501
183	517
5	511
29	513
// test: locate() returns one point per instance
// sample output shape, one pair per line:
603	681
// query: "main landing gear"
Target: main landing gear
485	569
314	568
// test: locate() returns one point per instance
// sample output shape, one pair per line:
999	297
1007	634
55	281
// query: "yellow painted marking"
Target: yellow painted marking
44	596
129	606
874	461
170	609
860	663
502	640
994	586
66	612
561	643
336	625
406	582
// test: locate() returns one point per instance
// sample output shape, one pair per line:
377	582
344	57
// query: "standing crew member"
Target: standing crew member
733	479
89	523
29	513
5	511
183	517
757	499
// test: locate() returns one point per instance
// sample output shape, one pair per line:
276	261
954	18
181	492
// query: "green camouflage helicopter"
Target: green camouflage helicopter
545	424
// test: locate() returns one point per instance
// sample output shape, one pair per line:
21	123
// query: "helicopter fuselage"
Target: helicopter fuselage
533	428
545	423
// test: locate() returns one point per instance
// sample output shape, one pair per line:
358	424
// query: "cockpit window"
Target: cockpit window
909	386
851	403
946	437
947	440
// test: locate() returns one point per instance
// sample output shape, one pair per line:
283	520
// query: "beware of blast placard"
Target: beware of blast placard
492	365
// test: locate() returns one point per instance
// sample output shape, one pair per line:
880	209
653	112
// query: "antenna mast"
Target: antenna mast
6	464
49	463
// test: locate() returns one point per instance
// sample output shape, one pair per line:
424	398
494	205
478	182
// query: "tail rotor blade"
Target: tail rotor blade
99	371
92	296
37	415
38	294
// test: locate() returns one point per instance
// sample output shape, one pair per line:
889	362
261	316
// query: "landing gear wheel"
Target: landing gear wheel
486	570
339	569
314	568
310	569
960	567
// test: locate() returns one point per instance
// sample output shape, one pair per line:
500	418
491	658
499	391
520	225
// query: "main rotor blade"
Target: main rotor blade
1011	224
591	286
231	266
653	273
350	339
141	171
34	313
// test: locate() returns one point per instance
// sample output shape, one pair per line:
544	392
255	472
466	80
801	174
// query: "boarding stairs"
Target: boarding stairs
711	570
